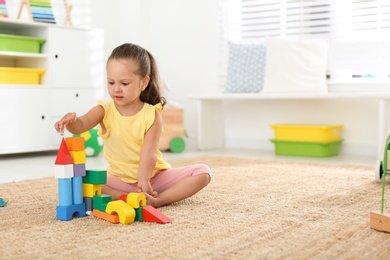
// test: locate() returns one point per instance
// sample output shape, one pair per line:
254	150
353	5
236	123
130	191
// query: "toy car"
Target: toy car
380	165
172	137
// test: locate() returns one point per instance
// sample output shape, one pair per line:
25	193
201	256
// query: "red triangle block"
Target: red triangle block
63	155
150	214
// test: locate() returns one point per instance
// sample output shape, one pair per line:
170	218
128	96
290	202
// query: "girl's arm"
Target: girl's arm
149	155
78	125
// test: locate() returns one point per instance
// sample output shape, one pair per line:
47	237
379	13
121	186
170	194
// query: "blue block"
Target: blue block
79	170
77	183
68	212
65	197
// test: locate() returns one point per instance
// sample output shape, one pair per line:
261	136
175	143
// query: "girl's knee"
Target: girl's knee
204	169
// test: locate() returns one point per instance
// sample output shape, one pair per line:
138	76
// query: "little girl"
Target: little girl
131	125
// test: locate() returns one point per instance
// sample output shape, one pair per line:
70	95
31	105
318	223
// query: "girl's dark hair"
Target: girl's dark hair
147	66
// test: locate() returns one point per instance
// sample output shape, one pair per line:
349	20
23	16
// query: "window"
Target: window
359	30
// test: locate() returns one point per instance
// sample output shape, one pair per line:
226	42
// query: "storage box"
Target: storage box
18	43
316	133
20	76
310	149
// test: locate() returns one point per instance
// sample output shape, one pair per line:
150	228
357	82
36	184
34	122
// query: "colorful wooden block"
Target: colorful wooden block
136	200
65	192
88	203
63	155
79	157
125	212
138	214
90	190
100	201
113	218
70	211
63	171
123	197
77	184
150	214
95	177
79	170
75	143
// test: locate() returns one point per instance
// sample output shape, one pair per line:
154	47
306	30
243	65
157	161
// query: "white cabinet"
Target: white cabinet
24	119
76	58
74	80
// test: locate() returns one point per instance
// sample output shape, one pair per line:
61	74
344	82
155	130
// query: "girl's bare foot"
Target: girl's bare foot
152	201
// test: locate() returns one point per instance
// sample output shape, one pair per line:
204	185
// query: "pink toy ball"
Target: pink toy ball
93	143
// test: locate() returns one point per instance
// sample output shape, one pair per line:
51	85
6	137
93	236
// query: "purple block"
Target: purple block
79	170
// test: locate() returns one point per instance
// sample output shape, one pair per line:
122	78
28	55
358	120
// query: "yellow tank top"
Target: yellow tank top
123	140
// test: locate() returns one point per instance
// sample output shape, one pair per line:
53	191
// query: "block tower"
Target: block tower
80	191
69	169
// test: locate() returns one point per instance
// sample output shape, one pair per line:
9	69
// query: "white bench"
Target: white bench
211	113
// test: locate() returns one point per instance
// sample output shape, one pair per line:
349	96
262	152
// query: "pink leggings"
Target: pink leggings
163	179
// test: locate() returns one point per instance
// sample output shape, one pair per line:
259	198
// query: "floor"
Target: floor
20	167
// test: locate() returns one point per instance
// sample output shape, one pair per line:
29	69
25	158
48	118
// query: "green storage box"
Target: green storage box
18	43
309	149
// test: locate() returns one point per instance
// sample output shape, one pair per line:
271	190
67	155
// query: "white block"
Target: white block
63	171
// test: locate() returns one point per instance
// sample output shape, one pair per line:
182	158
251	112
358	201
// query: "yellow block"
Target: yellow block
79	157
90	190
136	200
125	212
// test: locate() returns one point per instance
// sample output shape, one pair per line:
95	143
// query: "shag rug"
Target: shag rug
252	209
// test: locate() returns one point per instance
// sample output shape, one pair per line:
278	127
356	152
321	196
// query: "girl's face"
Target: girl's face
124	85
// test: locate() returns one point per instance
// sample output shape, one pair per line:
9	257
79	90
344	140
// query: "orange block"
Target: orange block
113	218
75	143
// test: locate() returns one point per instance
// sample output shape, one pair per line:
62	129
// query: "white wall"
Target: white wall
182	36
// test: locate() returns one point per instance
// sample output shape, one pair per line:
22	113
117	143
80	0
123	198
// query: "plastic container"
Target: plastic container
309	149
20	76
315	133
18	43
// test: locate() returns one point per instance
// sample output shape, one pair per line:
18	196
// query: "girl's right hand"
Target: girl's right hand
66	120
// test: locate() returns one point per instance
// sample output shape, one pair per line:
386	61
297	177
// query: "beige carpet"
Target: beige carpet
253	209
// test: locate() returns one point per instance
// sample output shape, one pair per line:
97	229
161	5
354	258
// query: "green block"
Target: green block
95	177
100	202
138	214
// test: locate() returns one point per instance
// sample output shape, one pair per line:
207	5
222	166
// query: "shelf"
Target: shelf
22	55
17	86
293	96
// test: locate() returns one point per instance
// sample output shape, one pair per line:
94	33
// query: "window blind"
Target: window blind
272	18
360	30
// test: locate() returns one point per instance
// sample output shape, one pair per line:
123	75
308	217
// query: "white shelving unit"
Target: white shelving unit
74	80
211	125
